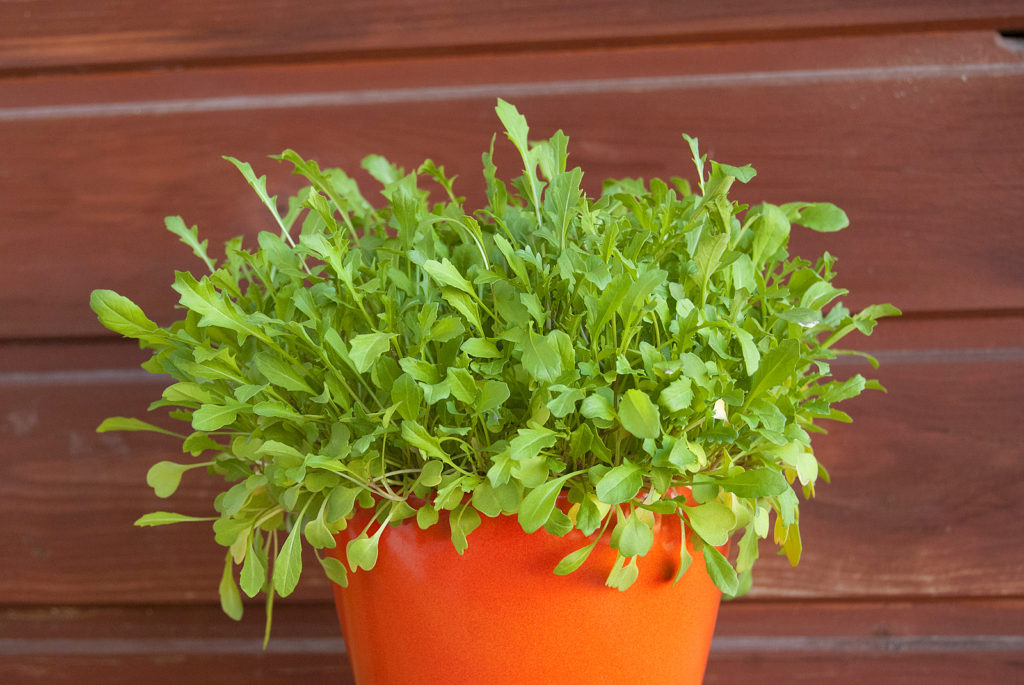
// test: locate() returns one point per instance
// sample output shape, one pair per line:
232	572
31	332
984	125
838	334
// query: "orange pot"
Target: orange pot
497	615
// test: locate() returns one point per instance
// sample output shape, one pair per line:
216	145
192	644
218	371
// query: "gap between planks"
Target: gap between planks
908	644
348	98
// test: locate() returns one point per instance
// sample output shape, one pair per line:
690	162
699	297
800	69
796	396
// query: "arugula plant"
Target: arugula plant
422	357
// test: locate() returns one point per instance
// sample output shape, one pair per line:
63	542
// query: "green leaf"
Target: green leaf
340	502
823	216
190	236
609	302
164	518
445	273
681	456
288	565
212	417
492	395
426	516
763	482
620	484
418	436
563	196
408	396
635	536
260	186
462	385
529	442
485	499
230	598
721	571
541	358
123	316
254	573
318	535
636	295
283	455
623	575
742	174
164	477
771	232
447	328
481	347
122	423
775	368
708	257
282	374
684	554
213	308
573	560
539	504
465	305
463	520
517	130
597	406
712	521
639	415
751	355
366	348
361	552
335	571
677	396
421	370
565	403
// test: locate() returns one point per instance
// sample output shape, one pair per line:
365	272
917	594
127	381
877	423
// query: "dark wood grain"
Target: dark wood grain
923	500
917	152
66	34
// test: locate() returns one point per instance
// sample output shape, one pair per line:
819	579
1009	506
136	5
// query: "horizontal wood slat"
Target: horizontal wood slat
64	34
941	643
884	142
905	515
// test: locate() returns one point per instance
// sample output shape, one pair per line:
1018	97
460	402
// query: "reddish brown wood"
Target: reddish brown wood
65	34
923	502
876	140
876	668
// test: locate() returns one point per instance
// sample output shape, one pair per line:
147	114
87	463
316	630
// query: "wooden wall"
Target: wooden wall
908	115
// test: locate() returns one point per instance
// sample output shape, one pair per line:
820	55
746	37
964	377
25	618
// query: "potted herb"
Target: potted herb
422	387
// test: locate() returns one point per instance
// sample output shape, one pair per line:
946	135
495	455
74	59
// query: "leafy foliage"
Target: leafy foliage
421	357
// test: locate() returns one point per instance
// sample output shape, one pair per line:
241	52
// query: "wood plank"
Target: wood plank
935	642
106	177
906	515
879	669
64	34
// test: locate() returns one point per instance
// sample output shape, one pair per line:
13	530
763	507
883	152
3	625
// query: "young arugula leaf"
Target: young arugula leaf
230	599
539	504
122	423
721	571
123	316
639	415
288	564
163	518
620	484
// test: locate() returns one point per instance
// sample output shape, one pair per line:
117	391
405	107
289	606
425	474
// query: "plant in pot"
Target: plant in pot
530	442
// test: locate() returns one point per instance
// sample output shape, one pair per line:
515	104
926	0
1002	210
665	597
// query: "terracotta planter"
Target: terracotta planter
498	615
